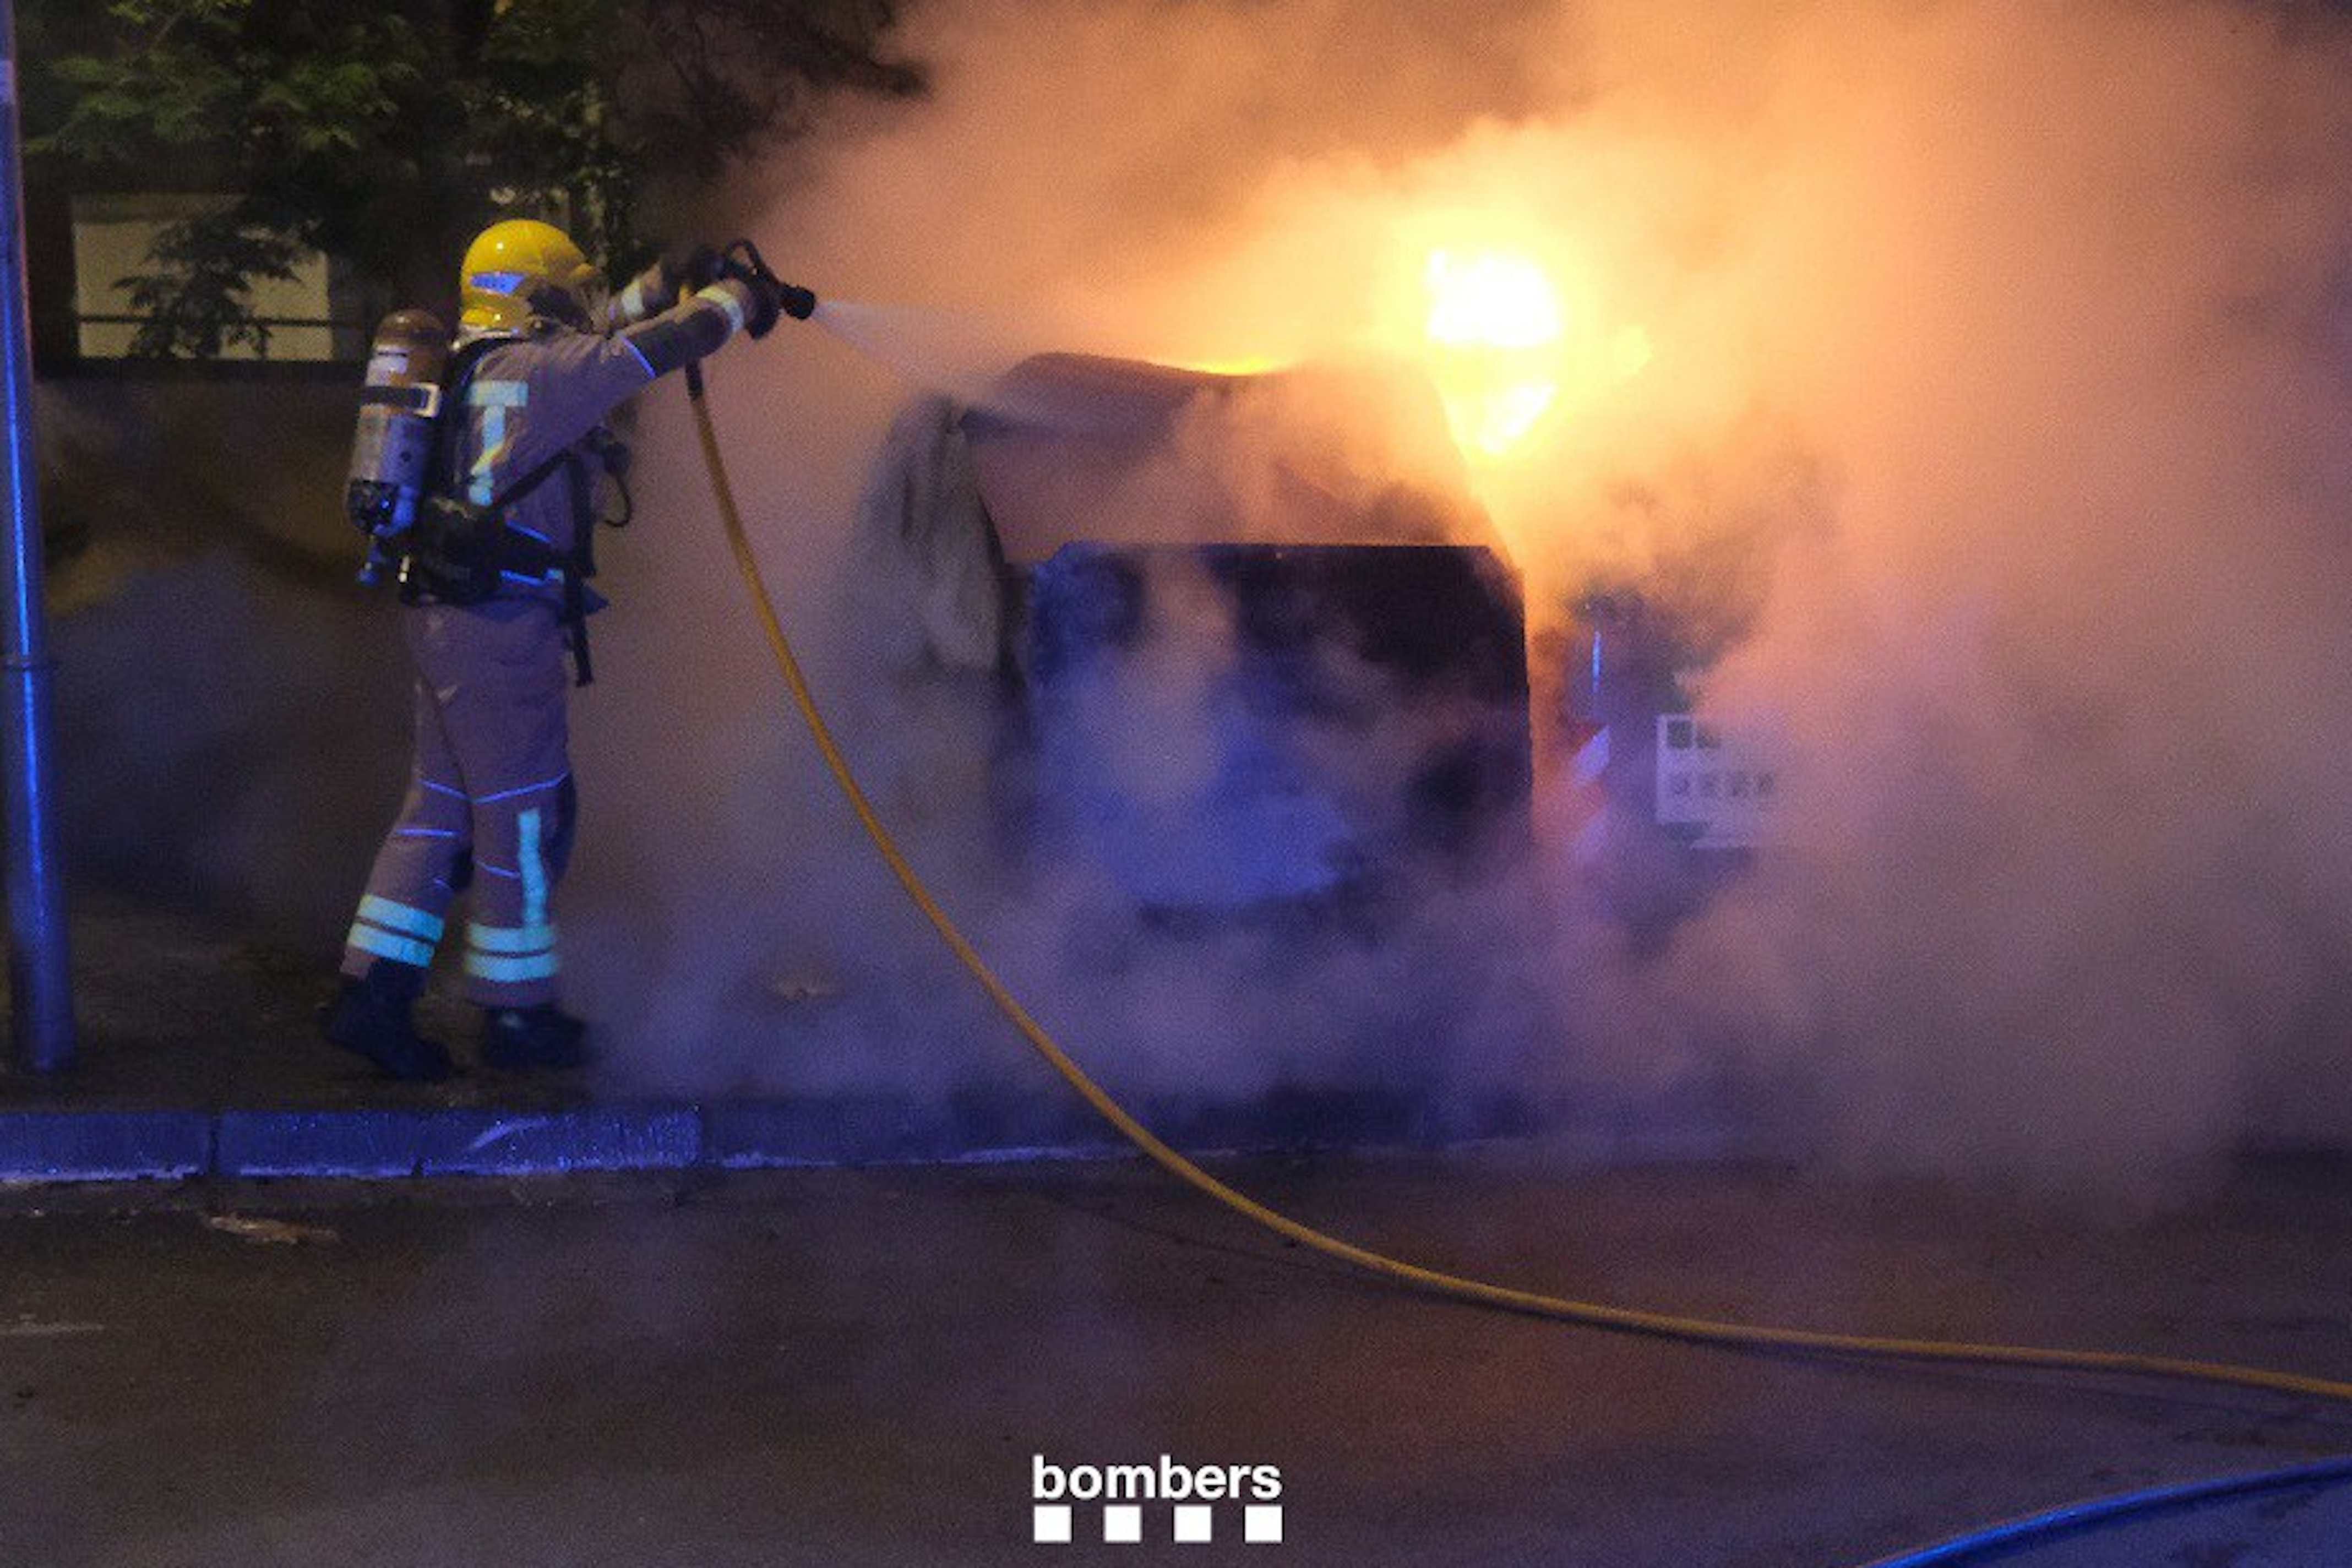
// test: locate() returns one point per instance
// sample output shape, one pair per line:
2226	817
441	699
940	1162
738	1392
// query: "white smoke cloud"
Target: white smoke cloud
1991	366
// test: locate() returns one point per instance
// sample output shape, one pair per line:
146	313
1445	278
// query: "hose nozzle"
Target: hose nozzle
742	259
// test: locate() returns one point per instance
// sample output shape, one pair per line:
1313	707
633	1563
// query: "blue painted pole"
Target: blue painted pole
40	1013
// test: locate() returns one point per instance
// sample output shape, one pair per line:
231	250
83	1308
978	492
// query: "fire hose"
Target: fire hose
2011	1536
1435	1281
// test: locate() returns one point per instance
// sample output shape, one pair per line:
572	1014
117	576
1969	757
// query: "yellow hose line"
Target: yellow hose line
1529	1301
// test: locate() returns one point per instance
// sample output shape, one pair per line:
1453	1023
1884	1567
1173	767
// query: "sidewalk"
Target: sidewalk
198	1059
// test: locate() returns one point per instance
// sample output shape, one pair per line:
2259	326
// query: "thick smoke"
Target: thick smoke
1984	364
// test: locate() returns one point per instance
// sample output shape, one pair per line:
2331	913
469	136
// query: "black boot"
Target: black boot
369	1018
519	1039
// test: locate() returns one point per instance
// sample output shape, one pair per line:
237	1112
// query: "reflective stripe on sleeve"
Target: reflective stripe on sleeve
726	300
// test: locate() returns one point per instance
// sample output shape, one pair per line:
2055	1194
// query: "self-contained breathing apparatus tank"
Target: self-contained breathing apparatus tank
393	443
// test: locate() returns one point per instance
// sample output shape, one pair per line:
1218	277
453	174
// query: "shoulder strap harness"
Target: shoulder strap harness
463	553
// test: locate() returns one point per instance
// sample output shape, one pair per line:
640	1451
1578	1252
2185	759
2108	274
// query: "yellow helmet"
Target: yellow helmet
520	269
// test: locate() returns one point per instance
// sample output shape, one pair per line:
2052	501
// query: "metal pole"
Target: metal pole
40	1013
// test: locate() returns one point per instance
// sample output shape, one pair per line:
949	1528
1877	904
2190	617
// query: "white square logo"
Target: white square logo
1123	1523
1051	1521
1262	1522
1195	1522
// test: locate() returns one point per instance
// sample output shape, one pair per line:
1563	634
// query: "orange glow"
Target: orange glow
1242	365
1495	325
1509	326
1490	300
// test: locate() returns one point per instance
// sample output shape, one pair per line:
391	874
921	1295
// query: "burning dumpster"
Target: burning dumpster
1257	646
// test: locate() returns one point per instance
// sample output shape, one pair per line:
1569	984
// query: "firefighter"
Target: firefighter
494	580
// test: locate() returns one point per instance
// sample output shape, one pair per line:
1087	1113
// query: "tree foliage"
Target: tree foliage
386	136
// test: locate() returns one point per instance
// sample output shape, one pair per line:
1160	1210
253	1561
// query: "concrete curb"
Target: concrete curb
105	1143
467	1141
52	1144
104	1146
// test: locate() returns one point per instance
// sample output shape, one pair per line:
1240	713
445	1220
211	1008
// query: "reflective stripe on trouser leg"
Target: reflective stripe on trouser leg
408	887
510	945
509	965
511	948
531	863
501	674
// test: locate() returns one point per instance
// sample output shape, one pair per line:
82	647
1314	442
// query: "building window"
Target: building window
309	320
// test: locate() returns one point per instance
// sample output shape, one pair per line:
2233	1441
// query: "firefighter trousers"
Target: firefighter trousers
490	803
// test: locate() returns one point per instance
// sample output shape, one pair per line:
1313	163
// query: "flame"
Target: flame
1511	334
1240	365
1495	299
1495	325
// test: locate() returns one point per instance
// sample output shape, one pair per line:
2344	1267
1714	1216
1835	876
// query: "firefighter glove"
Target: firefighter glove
690	266
761	306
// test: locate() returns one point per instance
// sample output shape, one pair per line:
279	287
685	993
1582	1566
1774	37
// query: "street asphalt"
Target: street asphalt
870	1366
